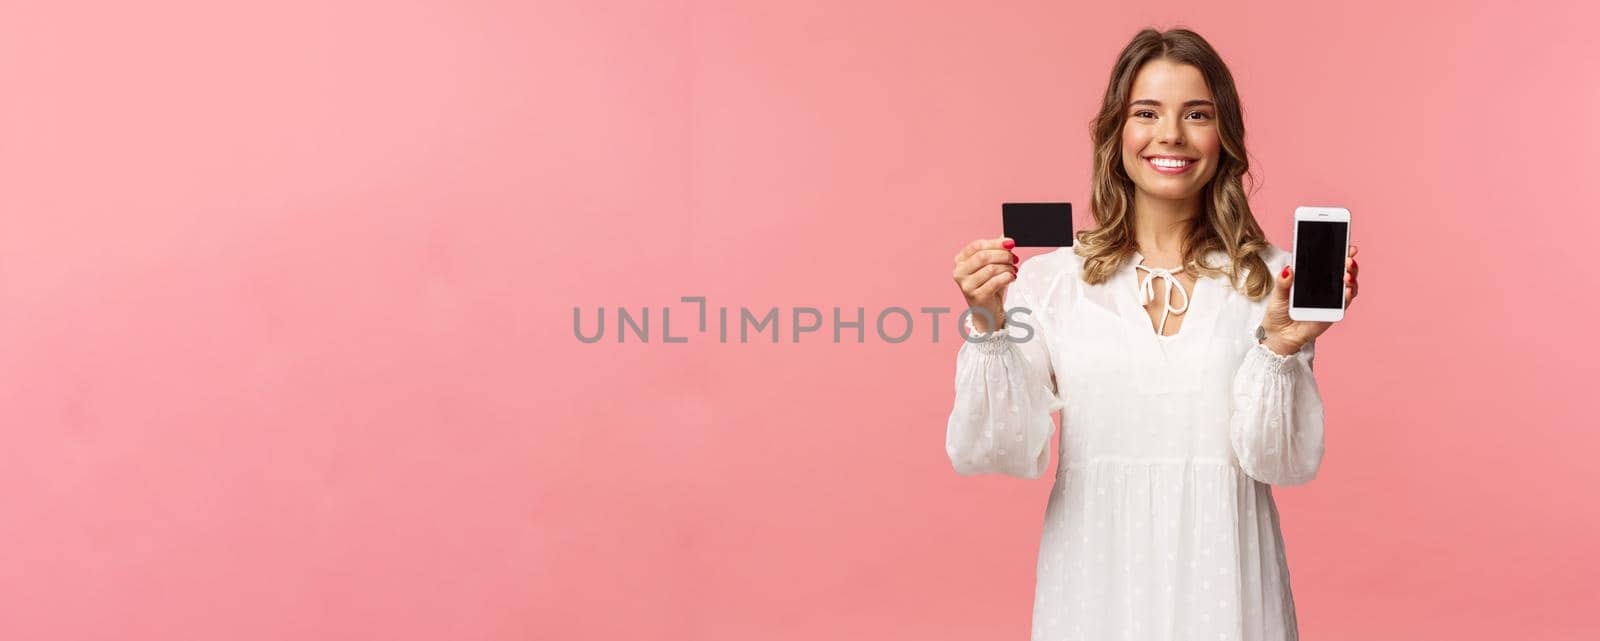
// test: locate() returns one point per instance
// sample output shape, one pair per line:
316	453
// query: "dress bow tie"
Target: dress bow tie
1149	291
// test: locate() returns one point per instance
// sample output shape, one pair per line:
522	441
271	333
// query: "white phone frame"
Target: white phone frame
1321	215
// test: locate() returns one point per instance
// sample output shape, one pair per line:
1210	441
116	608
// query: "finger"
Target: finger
1350	267
1285	278
1349	296
977	261
963	253
976	280
980	245
996	256
993	286
1352	251
972	265
982	257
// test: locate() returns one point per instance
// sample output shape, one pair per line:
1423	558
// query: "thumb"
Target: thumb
1281	286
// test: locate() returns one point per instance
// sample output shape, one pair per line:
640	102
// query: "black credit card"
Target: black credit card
1038	224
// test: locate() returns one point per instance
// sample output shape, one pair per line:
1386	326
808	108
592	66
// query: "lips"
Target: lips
1170	165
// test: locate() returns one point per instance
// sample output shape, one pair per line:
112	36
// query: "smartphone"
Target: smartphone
1321	244
1038	224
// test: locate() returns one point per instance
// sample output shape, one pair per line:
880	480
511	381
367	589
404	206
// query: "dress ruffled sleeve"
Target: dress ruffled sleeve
1005	395
1276	424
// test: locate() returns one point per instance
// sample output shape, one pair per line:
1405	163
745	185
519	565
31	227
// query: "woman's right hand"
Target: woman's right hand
984	268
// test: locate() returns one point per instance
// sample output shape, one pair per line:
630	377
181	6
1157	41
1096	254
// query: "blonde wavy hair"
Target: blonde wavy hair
1228	224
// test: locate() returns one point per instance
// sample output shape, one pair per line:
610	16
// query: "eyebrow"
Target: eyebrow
1186	103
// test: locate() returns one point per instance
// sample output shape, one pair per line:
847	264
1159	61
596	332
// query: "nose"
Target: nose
1171	132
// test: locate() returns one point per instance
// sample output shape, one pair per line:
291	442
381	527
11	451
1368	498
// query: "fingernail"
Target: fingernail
1015	259
1285	273
1008	243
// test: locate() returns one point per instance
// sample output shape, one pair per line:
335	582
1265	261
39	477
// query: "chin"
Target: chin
1170	192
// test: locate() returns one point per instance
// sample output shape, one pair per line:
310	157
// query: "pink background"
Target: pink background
288	287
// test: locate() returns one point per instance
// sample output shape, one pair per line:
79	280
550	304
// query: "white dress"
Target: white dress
1161	523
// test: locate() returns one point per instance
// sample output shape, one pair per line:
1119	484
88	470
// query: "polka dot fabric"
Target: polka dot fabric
1161	524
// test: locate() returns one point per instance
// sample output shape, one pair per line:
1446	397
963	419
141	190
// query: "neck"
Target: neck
1162	226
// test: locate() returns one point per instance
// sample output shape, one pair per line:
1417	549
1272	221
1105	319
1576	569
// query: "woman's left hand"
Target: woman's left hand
1286	335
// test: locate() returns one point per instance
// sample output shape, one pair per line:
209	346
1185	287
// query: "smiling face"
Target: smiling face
1171	145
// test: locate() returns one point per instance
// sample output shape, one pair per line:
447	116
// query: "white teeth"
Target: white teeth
1170	163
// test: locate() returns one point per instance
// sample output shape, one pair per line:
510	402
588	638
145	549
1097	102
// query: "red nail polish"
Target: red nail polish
1015	259
1008	243
1285	273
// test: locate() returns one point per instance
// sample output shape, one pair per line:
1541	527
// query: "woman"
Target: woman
1178	414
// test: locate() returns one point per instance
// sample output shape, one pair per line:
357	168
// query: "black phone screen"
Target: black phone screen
1319	253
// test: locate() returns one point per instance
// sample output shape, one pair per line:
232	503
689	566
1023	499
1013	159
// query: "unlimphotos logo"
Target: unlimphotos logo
892	324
